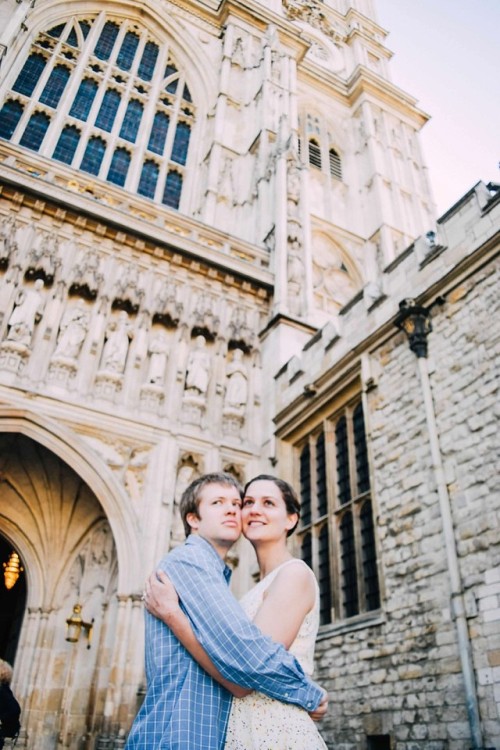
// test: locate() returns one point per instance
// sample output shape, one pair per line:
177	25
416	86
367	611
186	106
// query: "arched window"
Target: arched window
93	156
29	76
119	167
335	164
67	144
314	153
159	133
132	120
55	86
110	74
149	179
84	99
9	117
35	131
172	192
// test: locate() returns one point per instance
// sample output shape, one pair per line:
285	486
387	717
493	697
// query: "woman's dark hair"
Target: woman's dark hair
288	494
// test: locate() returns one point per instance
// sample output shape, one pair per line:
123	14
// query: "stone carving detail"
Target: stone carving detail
310	11
43	259
128	291
295	275
27	312
333	284
87	278
8	242
187	472
196	385
293	184
167	307
118	336
198	368
204	315
237	383
158	354
240	331
72	331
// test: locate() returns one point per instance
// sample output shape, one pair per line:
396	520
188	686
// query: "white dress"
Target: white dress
258	722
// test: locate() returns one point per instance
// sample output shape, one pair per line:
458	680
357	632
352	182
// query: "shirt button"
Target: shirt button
286	695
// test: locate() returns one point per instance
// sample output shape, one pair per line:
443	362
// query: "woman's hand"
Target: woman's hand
320	711
160	596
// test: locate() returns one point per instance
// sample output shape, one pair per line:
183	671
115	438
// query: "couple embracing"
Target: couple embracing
203	647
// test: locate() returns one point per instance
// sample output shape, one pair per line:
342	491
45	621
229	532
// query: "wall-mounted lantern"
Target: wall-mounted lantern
415	321
75	625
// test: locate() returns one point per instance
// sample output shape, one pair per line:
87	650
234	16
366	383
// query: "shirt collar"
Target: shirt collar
198	541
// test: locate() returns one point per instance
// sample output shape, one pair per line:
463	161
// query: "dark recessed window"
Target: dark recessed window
337	531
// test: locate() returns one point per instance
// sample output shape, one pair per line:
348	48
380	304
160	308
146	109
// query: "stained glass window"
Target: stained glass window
131	121
105	79
55	86
35	131
149	179
84	99
28	77
10	115
108	110
93	156
67	144
172	192
119	167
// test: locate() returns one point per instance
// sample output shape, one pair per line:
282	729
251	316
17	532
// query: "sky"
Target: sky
446	55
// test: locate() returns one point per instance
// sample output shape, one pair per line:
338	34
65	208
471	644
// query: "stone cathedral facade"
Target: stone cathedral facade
219	250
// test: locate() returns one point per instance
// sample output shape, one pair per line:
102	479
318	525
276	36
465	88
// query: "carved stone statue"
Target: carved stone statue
237	381
72	331
115	350
158	349
198	368
26	314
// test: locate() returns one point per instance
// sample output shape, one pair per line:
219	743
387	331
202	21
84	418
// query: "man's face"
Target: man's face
219	517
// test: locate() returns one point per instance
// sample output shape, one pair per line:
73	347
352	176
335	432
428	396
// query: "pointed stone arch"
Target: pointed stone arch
71	450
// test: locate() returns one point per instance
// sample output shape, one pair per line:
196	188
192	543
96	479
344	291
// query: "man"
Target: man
184	708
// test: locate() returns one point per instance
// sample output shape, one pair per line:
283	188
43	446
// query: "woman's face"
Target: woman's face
264	514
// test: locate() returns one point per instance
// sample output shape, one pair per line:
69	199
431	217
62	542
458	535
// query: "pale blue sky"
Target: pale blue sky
446	54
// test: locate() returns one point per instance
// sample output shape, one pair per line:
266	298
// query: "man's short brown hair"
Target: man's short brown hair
191	497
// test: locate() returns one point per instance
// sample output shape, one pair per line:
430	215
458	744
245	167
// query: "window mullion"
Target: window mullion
140	154
77	71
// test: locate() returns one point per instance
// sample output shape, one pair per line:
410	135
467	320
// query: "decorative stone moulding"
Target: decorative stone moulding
108	384
13	356
233	421
62	370
152	397
193	409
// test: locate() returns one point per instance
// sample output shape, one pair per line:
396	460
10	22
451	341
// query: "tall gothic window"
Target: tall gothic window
99	94
337	535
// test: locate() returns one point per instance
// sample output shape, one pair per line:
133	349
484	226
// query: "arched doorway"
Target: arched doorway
51	518
12	599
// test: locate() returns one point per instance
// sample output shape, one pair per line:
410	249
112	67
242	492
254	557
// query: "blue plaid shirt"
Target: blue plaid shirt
184	708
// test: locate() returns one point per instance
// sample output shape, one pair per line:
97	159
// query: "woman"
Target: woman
270	513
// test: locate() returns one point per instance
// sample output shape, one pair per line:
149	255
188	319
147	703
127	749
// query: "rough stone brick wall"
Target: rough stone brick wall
402	675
